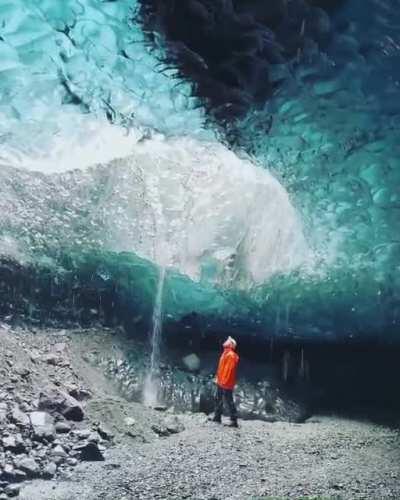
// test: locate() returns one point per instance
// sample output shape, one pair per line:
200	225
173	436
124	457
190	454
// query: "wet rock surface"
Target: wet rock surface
187	383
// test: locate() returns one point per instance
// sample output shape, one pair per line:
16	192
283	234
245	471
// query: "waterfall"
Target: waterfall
151	385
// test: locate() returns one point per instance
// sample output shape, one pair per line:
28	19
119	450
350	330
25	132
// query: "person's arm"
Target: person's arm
218	369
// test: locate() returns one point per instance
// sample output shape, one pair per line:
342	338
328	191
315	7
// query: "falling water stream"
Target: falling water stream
151	384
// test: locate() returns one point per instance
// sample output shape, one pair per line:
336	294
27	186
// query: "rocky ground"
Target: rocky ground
66	434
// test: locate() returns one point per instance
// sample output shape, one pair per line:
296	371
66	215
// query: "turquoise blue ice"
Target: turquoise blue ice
104	147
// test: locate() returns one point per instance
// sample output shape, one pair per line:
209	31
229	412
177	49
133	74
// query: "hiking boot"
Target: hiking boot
233	423
216	420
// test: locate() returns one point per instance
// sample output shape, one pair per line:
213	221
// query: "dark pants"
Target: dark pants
227	395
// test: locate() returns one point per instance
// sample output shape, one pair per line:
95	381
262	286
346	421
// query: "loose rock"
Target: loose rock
89	452
42	425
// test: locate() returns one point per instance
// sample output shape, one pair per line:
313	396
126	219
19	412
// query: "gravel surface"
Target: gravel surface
332	458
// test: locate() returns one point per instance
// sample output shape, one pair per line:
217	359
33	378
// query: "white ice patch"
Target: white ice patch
182	203
69	69
207	212
66	140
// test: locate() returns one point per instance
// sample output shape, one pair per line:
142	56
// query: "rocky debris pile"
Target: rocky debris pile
44	429
57	411
41	438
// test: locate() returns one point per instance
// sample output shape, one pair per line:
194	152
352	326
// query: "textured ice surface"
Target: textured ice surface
74	67
69	68
180	203
335	144
78	86
335	141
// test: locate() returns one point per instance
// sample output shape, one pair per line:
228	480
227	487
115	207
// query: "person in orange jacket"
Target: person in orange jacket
226	381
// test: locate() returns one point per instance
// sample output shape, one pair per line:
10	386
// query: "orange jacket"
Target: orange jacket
227	367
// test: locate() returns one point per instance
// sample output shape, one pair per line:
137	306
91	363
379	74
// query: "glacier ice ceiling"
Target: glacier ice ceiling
253	151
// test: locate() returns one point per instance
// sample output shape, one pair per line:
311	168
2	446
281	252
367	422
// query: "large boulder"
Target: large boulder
59	402
29	466
42	424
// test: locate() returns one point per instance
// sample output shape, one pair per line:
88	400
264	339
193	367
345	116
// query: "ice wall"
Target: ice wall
180	203
334	139
80	86
334	143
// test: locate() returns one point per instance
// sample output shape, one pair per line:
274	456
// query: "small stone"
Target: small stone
14	443
129	421
82	434
52	359
112	466
20	418
23	372
80	394
29	466
43	425
8	442
58	451
50	470
89	452
12	490
20	475
74	412
173	425
34	357
8	473
160	408
63	427
60	347
94	437
160	430
104	432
